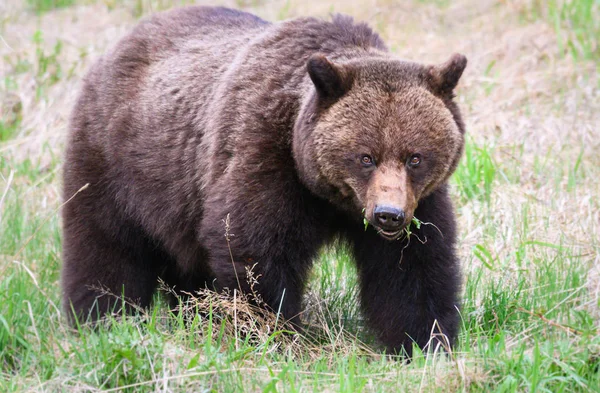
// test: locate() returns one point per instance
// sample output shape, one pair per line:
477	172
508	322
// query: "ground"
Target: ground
527	196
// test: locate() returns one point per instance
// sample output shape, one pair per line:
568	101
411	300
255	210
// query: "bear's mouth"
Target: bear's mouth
389	235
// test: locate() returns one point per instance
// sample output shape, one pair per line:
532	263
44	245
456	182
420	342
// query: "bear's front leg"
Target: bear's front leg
409	288
274	280
265	254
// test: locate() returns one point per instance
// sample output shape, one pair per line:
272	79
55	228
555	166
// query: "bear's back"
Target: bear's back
116	79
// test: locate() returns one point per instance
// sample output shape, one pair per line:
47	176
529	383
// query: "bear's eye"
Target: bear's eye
414	160
366	160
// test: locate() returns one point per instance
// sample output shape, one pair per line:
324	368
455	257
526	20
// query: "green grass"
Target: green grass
41	6
581	27
576	23
528	240
48	67
8	130
475	175
439	3
522	311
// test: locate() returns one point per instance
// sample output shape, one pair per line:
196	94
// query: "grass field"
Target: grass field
526	192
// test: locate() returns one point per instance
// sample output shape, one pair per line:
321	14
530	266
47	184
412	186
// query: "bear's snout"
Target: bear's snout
390	201
388	218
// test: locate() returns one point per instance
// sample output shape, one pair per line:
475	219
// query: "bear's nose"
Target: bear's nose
388	217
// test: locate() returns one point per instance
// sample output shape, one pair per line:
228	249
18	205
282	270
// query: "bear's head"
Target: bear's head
375	135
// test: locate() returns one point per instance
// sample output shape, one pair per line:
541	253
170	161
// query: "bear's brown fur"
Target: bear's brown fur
295	131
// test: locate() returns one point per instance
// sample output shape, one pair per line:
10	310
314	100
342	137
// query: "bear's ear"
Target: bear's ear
444	77
331	80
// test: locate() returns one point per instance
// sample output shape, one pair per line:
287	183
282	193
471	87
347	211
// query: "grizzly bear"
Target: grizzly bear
294	133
